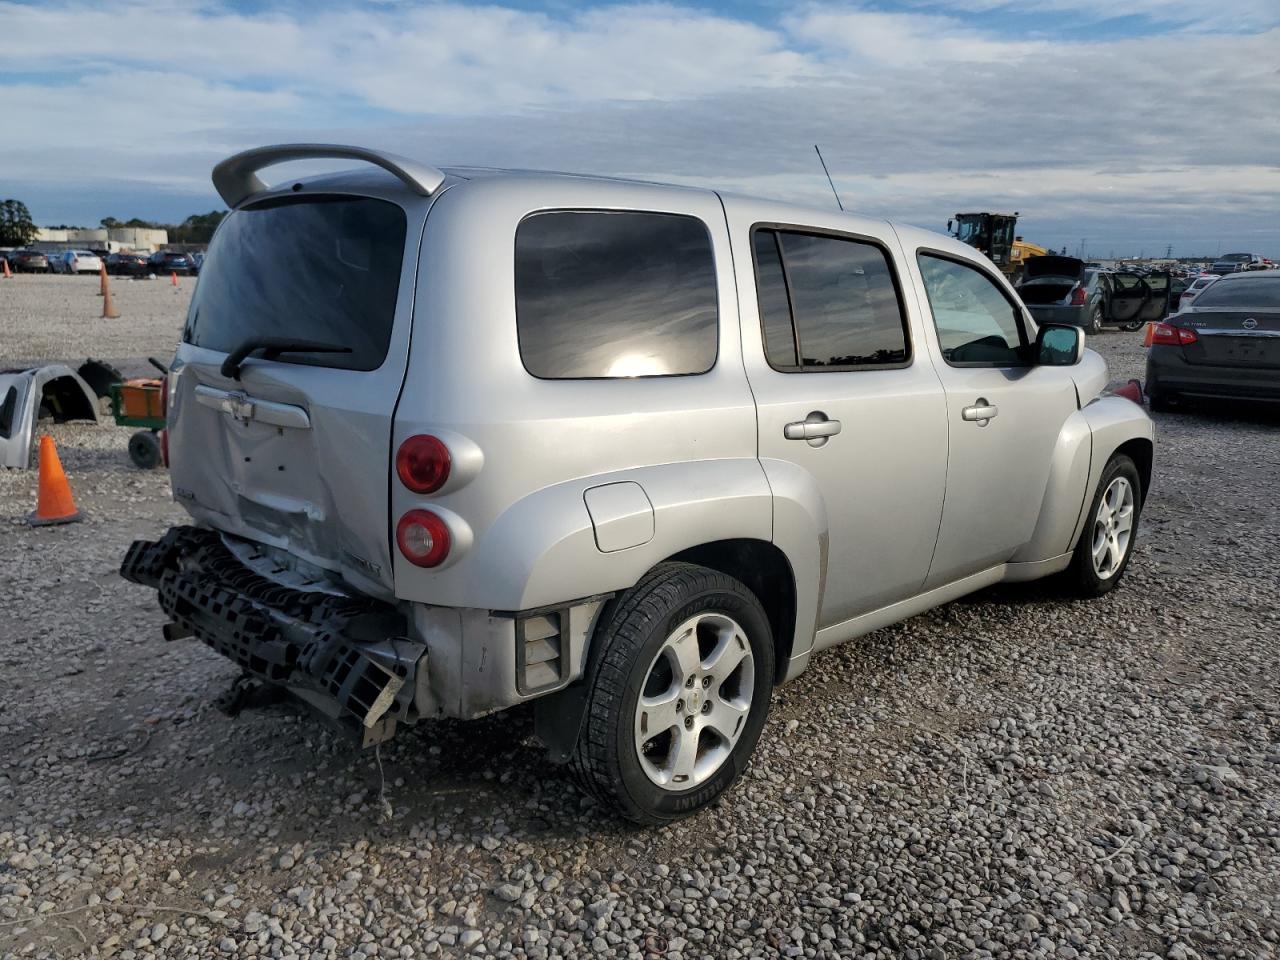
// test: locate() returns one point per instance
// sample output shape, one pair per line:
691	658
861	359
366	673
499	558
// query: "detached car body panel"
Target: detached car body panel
620	375
55	390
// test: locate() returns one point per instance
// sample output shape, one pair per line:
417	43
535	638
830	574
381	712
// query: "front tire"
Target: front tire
677	695
1106	542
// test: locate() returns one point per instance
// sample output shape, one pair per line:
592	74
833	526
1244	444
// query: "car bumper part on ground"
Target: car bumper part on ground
346	657
1170	375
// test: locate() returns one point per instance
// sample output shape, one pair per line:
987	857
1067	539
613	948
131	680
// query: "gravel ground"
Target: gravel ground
60	318
1012	775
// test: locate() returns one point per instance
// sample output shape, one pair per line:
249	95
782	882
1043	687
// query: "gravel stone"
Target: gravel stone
1012	775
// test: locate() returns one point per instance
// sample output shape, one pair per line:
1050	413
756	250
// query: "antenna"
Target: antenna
828	173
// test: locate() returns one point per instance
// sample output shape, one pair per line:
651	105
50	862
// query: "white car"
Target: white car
76	261
1194	290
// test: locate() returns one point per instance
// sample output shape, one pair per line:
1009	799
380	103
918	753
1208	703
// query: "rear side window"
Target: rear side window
827	303
323	269
603	294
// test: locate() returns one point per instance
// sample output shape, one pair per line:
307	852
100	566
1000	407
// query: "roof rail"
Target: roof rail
236	178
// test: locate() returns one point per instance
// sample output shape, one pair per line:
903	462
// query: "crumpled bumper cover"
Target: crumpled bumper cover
348	657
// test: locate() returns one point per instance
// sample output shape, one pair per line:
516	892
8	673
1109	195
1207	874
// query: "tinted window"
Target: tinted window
324	269
603	294
976	324
1262	293
842	300
775	308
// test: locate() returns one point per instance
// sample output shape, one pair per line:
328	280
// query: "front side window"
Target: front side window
977	325
607	294
827	303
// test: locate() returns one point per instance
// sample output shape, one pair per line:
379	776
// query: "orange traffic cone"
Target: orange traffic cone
8	274
54	503
102	281
108	307
173	277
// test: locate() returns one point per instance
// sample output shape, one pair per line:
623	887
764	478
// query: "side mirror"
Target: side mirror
1059	345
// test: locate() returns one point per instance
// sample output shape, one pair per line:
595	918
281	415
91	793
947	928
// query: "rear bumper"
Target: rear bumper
1077	316
364	664
348	658
1169	374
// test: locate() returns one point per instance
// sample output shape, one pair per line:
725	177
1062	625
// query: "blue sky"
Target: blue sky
1130	126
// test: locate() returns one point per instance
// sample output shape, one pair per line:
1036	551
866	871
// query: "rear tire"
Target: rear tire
1106	542
1095	322
677	694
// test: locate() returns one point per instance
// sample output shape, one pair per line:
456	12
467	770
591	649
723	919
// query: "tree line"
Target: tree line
17	229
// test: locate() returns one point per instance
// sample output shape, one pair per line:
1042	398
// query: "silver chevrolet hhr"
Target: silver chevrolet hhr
454	440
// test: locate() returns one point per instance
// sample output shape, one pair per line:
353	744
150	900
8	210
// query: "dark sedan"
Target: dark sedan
169	261
1226	344
1059	289
127	265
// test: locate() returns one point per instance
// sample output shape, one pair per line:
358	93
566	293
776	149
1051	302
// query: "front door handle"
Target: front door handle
815	428
981	412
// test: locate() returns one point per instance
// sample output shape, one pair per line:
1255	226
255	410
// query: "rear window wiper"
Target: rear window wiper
272	347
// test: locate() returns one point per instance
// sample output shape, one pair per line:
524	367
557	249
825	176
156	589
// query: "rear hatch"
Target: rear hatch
294	451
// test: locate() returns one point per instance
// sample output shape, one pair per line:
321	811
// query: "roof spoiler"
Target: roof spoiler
236	178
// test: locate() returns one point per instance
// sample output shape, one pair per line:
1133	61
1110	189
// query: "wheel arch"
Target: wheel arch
1142	452
763	569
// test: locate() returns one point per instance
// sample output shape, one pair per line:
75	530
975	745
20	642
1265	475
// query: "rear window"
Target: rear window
1260	294
827	303
603	294
323	269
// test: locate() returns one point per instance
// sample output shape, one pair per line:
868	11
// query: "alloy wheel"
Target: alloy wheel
1112	528
695	701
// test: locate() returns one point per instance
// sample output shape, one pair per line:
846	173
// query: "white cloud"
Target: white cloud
918	113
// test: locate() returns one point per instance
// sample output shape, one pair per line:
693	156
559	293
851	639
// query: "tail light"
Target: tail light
1167	335
423	463
423	538
1077	297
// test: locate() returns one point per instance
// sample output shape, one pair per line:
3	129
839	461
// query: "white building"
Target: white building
117	238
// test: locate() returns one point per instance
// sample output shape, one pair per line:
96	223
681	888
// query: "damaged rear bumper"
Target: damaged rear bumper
347	657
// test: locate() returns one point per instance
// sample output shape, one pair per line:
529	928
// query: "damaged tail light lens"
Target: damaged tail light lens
423	463
423	538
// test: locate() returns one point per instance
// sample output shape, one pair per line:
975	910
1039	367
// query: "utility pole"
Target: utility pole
1168	252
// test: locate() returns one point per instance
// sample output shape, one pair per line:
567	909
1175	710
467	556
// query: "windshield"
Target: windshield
968	230
323	269
1260	294
1236	258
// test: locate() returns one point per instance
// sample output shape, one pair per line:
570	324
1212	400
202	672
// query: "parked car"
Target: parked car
29	261
170	261
630	452
1194	288
128	265
1060	289
1225	344
76	261
1236	263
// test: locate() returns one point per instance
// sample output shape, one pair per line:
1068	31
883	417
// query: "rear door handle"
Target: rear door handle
815	428
981	412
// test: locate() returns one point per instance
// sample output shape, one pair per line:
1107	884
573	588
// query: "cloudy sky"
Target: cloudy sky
1131	124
